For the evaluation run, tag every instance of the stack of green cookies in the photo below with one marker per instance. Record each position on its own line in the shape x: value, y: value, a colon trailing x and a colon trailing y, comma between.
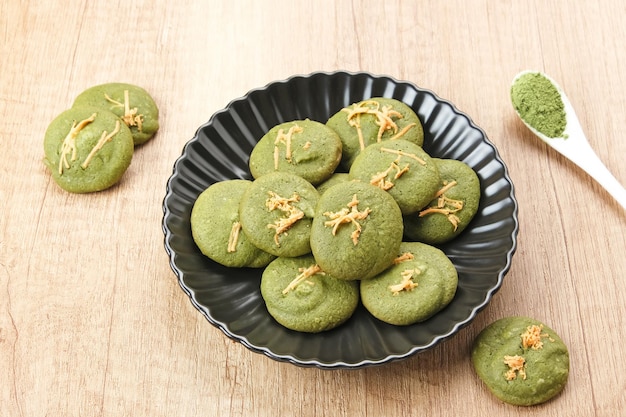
x: 89, y: 146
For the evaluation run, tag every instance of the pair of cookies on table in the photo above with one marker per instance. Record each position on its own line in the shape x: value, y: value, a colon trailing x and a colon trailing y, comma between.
x: 89, y: 146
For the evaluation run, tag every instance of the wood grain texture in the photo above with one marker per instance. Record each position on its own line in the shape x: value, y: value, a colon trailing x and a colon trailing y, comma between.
x: 92, y: 321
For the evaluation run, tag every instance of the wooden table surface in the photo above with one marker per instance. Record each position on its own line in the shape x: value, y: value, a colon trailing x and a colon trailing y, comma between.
x: 92, y: 319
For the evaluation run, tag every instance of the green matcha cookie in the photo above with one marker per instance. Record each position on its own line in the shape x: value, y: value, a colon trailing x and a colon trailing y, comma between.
x: 357, y: 230
x: 455, y: 205
x: 401, y: 168
x: 87, y: 149
x: 216, y: 228
x: 421, y: 282
x: 301, y: 297
x: 521, y: 360
x: 375, y: 120
x: 303, y: 147
x: 131, y: 103
x: 276, y: 213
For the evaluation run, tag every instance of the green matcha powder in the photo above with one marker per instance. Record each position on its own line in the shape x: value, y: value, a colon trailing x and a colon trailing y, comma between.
x: 539, y: 104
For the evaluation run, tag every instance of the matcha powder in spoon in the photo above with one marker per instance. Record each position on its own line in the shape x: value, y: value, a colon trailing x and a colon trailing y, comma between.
x: 539, y: 104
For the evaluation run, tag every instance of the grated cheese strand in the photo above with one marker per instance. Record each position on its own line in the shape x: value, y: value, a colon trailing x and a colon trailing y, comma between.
x: 276, y: 202
x: 103, y: 140
x: 406, y: 256
x: 305, y: 273
x: 531, y: 338
x: 284, y: 138
x: 516, y: 364
x: 130, y: 117
x: 445, y: 205
x: 349, y: 214
x: 69, y: 143
x: 407, y: 283
x: 384, y: 119
x: 233, y: 237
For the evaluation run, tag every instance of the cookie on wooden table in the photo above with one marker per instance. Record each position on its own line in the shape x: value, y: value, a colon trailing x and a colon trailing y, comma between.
x: 87, y: 149
x: 133, y: 104
x: 521, y: 360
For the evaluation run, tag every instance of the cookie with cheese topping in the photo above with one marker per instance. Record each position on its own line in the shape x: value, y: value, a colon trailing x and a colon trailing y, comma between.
x: 276, y: 213
x: 521, y: 360
x: 306, y: 148
x: 302, y: 297
x: 420, y: 283
x: 87, y: 149
x: 357, y: 230
x: 216, y: 229
x: 401, y: 168
x: 133, y: 104
x: 372, y: 121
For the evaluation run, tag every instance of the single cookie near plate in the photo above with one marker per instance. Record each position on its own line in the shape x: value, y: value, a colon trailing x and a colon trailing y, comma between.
x: 302, y: 297
x: 306, y: 148
x: 87, y: 149
x: 216, y: 228
x: 374, y: 120
x: 421, y: 282
x: 276, y: 213
x: 357, y: 230
x: 455, y: 205
x: 521, y: 360
x: 401, y: 168
x: 131, y: 103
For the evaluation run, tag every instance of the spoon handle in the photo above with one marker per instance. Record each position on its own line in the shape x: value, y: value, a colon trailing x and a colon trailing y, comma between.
x: 593, y: 166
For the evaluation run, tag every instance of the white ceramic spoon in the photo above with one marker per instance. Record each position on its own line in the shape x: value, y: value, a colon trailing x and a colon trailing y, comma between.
x: 577, y: 149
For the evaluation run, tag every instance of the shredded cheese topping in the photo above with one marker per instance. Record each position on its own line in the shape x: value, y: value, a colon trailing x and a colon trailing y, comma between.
x: 233, y: 237
x: 69, y: 143
x: 349, y: 214
x: 407, y: 283
x: 130, y: 117
x: 516, y: 364
x: 445, y: 205
x: 384, y: 119
x: 380, y: 178
x: 276, y: 202
x: 305, y: 273
x: 406, y: 256
x: 104, y: 138
x: 285, y: 138
x: 531, y: 338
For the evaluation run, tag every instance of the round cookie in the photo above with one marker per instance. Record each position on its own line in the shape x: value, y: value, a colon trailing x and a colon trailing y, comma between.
x: 521, y: 360
x: 455, y: 205
x: 216, y: 228
x: 276, y: 213
x: 421, y: 282
x: 87, y: 149
x: 306, y: 148
x: 374, y: 120
x: 131, y: 103
x: 303, y: 298
x: 401, y: 168
x: 357, y: 230
x: 336, y: 178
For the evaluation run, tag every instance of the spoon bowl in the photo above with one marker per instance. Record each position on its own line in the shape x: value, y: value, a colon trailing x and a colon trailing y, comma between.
x: 573, y: 144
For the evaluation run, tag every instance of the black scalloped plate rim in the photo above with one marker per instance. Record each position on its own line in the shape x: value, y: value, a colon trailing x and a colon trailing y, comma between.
x: 339, y: 364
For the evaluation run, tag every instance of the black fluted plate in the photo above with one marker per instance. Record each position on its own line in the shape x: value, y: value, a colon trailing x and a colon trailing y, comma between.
x: 230, y: 298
